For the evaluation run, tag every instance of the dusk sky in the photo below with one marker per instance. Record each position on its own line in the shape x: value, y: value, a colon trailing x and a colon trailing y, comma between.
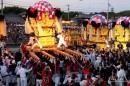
x: 85, y: 6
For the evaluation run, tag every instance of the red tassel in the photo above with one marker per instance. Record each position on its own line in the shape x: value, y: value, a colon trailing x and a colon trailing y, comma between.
x: 124, y: 32
x: 32, y: 10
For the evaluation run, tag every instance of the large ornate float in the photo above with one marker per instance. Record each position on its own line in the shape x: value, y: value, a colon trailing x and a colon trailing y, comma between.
x: 44, y: 22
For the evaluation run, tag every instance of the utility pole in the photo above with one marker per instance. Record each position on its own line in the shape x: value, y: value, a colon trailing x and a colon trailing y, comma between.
x: 2, y: 7
x: 108, y: 11
x: 68, y: 11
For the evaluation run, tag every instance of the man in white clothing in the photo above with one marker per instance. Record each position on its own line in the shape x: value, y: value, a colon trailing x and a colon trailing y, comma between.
x: 61, y: 37
x: 34, y: 42
x: 19, y: 65
x: 121, y: 74
x: 4, y: 74
x: 23, y: 78
x: 56, y: 79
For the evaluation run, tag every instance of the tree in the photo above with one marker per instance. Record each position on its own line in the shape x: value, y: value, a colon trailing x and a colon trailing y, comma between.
x: 14, y: 9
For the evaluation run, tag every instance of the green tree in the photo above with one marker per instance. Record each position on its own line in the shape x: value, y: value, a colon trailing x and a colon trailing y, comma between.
x: 14, y: 9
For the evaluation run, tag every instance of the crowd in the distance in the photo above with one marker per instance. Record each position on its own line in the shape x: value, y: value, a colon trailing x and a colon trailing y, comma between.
x: 96, y: 68
x: 15, y: 30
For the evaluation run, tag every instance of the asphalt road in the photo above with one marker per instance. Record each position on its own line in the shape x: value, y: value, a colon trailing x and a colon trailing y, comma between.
x: 13, y: 48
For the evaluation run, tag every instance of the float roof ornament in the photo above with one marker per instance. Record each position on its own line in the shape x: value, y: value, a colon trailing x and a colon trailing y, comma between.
x: 98, y: 18
x: 124, y: 18
x: 44, y: 6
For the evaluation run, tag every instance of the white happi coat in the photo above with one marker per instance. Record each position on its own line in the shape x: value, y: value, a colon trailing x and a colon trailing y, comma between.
x: 121, y: 77
x: 61, y: 40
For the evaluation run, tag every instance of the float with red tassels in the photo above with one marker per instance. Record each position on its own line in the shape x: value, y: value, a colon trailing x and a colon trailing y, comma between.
x: 122, y: 28
x: 97, y: 21
x: 43, y: 24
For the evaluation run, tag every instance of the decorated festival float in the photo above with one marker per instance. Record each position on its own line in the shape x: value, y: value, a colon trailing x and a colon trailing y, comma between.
x: 97, y: 30
x: 73, y: 33
x: 121, y: 31
x: 43, y: 23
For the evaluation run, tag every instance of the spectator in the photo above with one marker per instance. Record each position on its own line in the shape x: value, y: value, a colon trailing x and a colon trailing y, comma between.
x: 4, y: 74
x: 12, y: 74
x: 121, y: 74
x: 120, y: 46
x: 112, y: 43
x: 22, y: 72
x: 128, y: 45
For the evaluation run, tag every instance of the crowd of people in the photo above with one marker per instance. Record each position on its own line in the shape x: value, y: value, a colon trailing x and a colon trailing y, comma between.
x: 96, y: 68
x: 15, y: 30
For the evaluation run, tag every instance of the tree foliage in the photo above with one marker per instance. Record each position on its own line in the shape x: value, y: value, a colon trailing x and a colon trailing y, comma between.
x: 72, y: 14
x: 14, y: 9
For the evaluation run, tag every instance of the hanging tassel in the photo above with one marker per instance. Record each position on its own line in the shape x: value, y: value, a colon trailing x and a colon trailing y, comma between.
x: 113, y: 32
x: 59, y: 26
x: 82, y: 31
x: 40, y: 29
x: 97, y: 34
x: 109, y: 38
x: 121, y: 31
x: 90, y: 34
x: 28, y: 28
x: 85, y: 34
x: 126, y: 34
x: 95, y: 31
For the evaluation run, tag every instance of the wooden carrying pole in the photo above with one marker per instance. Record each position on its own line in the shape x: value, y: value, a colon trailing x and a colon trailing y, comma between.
x: 65, y: 54
x: 34, y: 56
x: 47, y: 54
x: 39, y: 50
x: 74, y: 52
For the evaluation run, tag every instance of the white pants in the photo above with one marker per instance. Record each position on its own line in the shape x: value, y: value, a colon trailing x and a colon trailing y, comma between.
x: 62, y: 42
x: 65, y: 80
x: 12, y: 79
x: 56, y: 79
x: 31, y: 80
x: 83, y: 83
x: 38, y: 82
x: 23, y: 81
x: 79, y: 77
x: 6, y: 79
x: 18, y: 81
x: 121, y: 83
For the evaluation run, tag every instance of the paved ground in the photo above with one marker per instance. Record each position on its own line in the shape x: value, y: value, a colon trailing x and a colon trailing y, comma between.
x: 13, y: 48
